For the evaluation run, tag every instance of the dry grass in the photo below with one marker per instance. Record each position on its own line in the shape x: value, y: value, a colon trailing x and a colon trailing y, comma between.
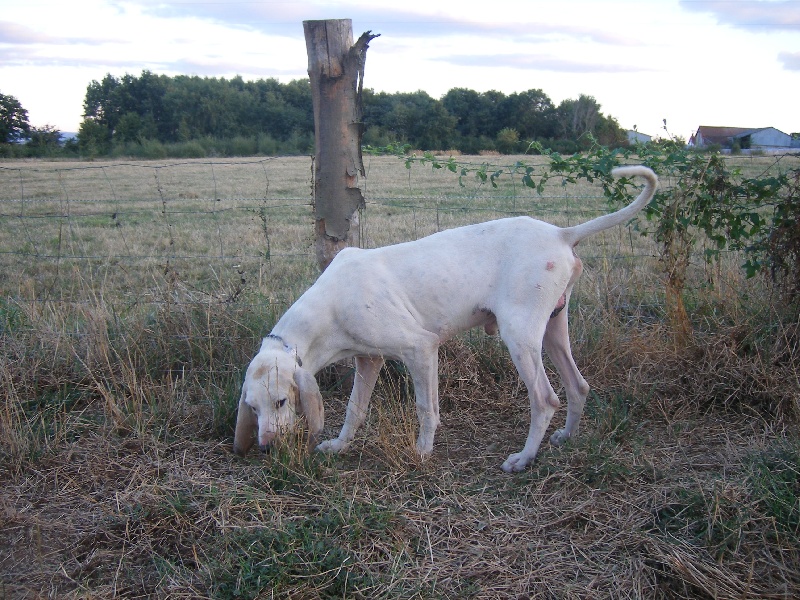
x: 119, y: 389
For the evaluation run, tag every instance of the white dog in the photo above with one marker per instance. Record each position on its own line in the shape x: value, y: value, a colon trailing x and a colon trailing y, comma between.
x: 401, y: 302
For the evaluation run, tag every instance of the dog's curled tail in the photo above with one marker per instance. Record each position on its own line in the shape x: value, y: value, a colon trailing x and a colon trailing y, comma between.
x: 573, y: 235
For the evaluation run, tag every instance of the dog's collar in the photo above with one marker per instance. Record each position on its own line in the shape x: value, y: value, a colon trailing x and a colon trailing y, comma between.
x: 286, y: 347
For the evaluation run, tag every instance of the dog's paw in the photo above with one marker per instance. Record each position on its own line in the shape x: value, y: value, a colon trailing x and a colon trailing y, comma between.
x: 424, y: 447
x: 334, y: 446
x: 516, y: 462
x: 559, y: 437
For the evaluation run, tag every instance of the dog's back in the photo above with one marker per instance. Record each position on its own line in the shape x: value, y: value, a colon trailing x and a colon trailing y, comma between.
x: 447, y: 282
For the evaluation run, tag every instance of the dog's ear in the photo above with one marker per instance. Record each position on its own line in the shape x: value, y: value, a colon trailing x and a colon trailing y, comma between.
x: 246, y: 425
x: 310, y: 403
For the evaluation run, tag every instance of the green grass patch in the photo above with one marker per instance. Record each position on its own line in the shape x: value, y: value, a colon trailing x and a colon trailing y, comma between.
x: 775, y: 487
x: 316, y: 554
x: 758, y: 502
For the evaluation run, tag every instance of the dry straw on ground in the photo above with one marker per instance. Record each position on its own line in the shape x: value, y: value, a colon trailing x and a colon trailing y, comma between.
x: 119, y: 389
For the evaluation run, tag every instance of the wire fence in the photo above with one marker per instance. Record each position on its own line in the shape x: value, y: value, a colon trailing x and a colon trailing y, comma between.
x: 242, y: 230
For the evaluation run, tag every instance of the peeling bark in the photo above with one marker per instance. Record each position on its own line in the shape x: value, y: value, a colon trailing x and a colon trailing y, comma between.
x: 336, y: 71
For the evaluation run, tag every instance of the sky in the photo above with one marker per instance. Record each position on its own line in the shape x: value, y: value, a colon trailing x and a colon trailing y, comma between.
x: 692, y: 62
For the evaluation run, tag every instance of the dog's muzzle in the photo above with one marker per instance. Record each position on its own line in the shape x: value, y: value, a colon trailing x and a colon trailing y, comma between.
x: 266, y: 441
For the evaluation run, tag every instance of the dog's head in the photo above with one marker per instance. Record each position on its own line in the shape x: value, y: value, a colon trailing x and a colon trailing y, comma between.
x: 275, y: 392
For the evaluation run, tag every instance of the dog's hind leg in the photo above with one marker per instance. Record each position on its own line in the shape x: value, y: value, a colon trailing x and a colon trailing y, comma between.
x: 556, y: 344
x: 527, y: 356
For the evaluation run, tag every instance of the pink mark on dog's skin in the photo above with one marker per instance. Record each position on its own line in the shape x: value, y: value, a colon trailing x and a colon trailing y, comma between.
x: 550, y: 265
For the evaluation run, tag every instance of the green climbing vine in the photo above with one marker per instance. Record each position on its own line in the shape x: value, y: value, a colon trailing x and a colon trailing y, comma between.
x: 701, y: 198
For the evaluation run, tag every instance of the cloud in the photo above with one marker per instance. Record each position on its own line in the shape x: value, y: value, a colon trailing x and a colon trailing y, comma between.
x: 522, y: 31
x: 21, y: 35
x: 751, y: 15
x: 537, y: 63
x: 13, y: 33
x: 19, y: 58
x: 790, y: 60
x: 285, y: 18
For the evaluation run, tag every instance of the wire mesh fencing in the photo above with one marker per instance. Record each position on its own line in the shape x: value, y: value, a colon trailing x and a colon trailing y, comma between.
x: 241, y: 230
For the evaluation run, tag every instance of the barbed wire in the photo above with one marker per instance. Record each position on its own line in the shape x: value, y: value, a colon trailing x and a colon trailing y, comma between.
x: 145, y: 164
x: 48, y: 215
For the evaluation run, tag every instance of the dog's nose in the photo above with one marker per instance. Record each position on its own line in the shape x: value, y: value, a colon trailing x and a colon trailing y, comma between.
x: 265, y: 448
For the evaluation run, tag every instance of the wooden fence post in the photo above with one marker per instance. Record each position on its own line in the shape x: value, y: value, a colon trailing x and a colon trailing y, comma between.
x: 336, y: 71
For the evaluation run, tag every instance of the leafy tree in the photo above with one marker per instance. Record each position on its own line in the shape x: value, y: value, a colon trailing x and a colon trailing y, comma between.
x: 133, y: 127
x: 577, y: 117
x: 375, y: 110
x: 531, y: 113
x: 508, y: 140
x: 133, y: 109
x: 477, y: 114
x: 609, y: 133
x: 14, y: 125
x: 94, y: 138
x: 144, y: 96
x: 416, y: 118
x: 465, y: 106
x: 478, y: 117
x: 582, y: 119
x: 100, y: 105
x: 44, y: 139
x: 122, y: 114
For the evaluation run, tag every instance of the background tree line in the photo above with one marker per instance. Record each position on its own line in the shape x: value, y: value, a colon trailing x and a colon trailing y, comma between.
x: 15, y: 128
x: 156, y: 116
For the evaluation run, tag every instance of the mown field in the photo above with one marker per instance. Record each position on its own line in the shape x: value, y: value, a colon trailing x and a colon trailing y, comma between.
x: 134, y: 295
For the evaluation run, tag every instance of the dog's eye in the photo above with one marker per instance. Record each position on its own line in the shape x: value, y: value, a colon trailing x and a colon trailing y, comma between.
x: 280, y: 403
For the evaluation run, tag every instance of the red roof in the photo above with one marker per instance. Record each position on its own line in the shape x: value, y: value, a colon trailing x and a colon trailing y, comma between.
x: 720, y: 135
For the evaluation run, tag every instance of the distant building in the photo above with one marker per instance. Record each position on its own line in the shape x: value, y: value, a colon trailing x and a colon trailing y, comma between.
x: 636, y: 137
x: 766, y: 139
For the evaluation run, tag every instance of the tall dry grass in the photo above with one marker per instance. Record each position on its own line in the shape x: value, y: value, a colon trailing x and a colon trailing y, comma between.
x: 118, y: 404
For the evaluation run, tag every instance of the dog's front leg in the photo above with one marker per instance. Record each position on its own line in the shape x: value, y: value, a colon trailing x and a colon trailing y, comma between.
x: 424, y: 370
x: 366, y: 375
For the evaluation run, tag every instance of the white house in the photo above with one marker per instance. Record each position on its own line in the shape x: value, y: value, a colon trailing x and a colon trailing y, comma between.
x: 636, y: 137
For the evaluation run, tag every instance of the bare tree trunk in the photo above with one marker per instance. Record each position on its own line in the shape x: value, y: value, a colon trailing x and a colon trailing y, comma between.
x: 336, y: 71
